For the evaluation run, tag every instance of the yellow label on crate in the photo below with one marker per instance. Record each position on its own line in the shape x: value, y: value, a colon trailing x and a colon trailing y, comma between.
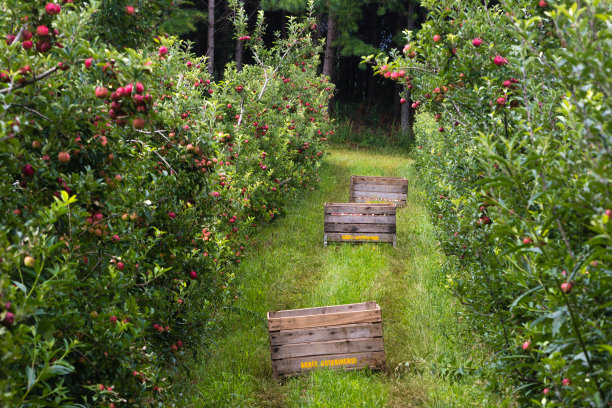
x: 328, y: 363
x: 362, y: 237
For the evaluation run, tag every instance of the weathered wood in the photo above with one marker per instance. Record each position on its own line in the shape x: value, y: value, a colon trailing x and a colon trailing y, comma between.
x: 374, y: 360
x: 369, y: 190
x: 310, y: 311
x: 355, y: 228
x: 349, y: 331
x: 360, y: 219
x: 331, y: 319
x: 342, y: 346
x: 358, y: 208
x: 377, y: 195
x: 360, y: 237
x: 380, y: 188
x: 379, y: 180
x: 340, y: 336
x: 361, y: 200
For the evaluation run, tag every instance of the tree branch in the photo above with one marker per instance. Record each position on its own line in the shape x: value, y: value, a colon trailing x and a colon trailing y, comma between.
x: 31, y: 81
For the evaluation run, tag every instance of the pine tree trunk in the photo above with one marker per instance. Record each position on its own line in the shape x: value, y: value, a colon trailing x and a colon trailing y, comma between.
x: 211, y: 37
x: 329, y: 62
x: 239, y: 52
x: 407, y: 118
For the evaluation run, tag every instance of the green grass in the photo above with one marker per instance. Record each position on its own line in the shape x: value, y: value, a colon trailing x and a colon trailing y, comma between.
x: 288, y: 268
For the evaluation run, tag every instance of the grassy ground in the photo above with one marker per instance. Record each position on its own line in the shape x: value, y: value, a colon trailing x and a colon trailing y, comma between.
x: 427, y: 352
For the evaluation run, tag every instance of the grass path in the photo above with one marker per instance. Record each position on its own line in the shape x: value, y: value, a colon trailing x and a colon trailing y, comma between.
x: 289, y: 268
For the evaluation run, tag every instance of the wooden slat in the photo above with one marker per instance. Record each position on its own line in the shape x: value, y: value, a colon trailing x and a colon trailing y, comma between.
x: 381, y: 188
x: 359, y: 208
x: 379, y: 180
x: 326, y: 348
x: 374, y: 194
x: 397, y: 203
x: 349, y: 331
x: 331, y: 319
x: 360, y: 219
x: 358, y: 228
x: 353, y: 307
x: 289, y: 366
x: 361, y: 237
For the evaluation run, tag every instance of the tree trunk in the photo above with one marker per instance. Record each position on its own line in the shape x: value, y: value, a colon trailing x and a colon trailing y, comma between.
x: 373, y: 86
x: 329, y: 62
x: 283, y: 24
x: 210, y: 52
x: 396, y: 101
x: 239, y: 52
x: 407, y: 118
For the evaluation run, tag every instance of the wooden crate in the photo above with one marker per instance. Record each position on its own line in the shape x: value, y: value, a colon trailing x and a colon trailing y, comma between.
x: 345, y: 336
x: 365, y: 189
x: 359, y: 222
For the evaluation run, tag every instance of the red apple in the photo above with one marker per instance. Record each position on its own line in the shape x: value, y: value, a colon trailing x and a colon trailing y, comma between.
x: 526, y: 345
x: 542, y: 3
x: 88, y: 62
x: 499, y: 60
x: 42, y: 31
x: 476, y: 42
x: 193, y: 274
x: 130, y: 10
x: 138, y: 123
x: 437, y: 38
x: 27, y: 44
x: 63, y: 157
x: 101, y: 92
x: 566, y: 287
x: 120, y: 265
x: 27, y: 170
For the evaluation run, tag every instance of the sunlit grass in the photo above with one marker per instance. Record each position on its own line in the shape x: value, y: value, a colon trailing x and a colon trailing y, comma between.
x: 289, y: 268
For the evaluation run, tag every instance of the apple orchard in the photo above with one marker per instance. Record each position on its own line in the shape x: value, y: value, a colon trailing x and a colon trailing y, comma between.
x: 131, y: 182
x: 516, y: 175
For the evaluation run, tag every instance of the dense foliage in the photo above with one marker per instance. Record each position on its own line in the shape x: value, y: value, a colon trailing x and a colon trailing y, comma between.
x: 518, y: 179
x: 130, y: 183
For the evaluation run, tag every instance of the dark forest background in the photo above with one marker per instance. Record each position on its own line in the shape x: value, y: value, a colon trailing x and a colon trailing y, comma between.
x: 352, y: 28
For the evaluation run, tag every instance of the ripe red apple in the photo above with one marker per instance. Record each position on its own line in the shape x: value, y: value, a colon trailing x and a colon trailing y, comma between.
x: 127, y: 90
x: 101, y: 92
x: 545, y: 391
x: 437, y: 38
x: 542, y: 3
x: 441, y: 129
x: 29, y: 261
x: 526, y: 345
x: 566, y: 381
x: 499, y: 60
x: 193, y: 274
x: 27, y: 44
x: 52, y: 9
x: 163, y: 50
x: 507, y: 83
x: 42, y: 31
x: 43, y: 46
x: 501, y: 101
x: 120, y: 265
x: 63, y: 157
x: 113, y: 319
x: 139, y: 88
x: 88, y: 62
x: 171, y: 215
x: 130, y: 10
x: 27, y: 170
x: 476, y: 42
x: 566, y: 287
x: 27, y: 35
x: 138, y: 123
x: 394, y: 75
x: 609, y: 213
x: 403, y: 101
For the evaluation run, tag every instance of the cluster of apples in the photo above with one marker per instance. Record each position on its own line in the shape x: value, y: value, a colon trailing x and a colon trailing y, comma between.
x: 126, y: 101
